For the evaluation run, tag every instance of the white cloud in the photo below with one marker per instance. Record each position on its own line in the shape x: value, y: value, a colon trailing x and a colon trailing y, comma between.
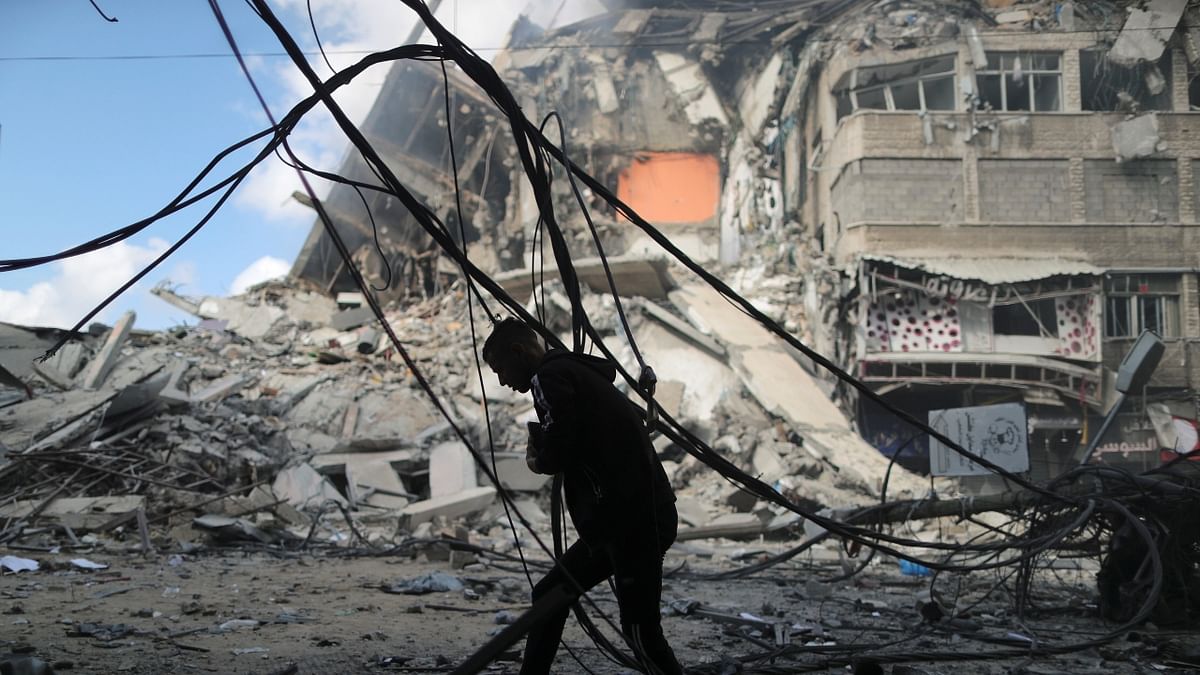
x: 78, y: 285
x: 183, y: 273
x: 266, y: 267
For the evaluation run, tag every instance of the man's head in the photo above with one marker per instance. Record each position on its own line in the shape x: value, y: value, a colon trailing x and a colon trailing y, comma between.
x: 513, y: 352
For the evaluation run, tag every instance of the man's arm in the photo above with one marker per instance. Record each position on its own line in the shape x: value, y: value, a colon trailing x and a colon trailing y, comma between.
x: 555, y: 396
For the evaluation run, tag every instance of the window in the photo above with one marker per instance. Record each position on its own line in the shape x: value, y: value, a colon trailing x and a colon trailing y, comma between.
x: 1021, y: 81
x: 1141, y: 302
x: 1033, y: 317
x: 1108, y: 86
x: 927, y: 84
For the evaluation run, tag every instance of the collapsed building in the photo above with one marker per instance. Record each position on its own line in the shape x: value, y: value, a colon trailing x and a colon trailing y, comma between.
x: 961, y: 203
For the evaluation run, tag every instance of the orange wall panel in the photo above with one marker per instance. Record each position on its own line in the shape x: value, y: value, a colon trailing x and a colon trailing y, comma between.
x: 671, y: 187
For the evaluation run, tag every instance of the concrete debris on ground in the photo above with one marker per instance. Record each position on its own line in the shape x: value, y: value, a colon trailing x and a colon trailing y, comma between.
x: 242, y: 428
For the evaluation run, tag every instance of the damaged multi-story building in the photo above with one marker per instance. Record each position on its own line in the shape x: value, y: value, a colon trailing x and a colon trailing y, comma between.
x: 962, y: 203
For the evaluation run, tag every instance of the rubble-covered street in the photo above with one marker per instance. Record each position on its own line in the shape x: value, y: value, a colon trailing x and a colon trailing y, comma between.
x: 237, y: 611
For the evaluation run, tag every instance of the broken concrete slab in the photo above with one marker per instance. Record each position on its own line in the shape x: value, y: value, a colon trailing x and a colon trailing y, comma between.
x: 450, y: 506
x: 669, y: 397
x: 1146, y: 32
x: 52, y: 375
x: 388, y: 417
x: 768, y: 464
x: 705, y: 378
x: 678, y: 325
x: 103, y: 362
x: 373, y: 482
x: 41, y: 419
x: 307, y: 440
x: 303, y: 487
x: 310, y: 308
x: 77, y: 513
x: 632, y: 21
x: 252, y: 321
x: 68, y: 359
x: 514, y: 474
x: 1017, y: 16
x: 164, y: 293
x: 335, y: 462
x: 691, y: 511
x: 451, y: 469
x: 1137, y: 137
x: 235, y: 529
x: 783, y: 387
x: 351, y: 318
x: 219, y: 389
x: 607, y: 99
x: 727, y: 525
x: 689, y: 83
x: 634, y: 275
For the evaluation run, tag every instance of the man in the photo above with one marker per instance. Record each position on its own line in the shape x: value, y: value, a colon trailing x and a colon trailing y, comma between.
x: 616, y: 491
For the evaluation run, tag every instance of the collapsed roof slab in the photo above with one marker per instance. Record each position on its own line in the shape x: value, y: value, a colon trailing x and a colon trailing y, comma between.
x: 644, y: 277
x: 782, y: 386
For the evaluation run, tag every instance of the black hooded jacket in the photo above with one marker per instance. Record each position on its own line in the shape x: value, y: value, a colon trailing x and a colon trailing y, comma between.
x: 612, y: 479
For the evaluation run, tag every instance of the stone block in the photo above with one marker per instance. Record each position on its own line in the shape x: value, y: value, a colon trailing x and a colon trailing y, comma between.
x: 451, y: 506
x: 451, y: 469
x: 375, y: 479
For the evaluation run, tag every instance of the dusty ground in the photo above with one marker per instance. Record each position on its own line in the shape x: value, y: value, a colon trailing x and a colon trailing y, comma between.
x: 319, y: 613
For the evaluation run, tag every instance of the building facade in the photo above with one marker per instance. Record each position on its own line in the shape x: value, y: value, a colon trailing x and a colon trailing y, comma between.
x: 1011, y: 208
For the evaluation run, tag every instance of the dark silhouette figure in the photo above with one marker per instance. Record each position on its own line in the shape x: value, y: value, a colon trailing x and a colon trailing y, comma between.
x: 614, y: 486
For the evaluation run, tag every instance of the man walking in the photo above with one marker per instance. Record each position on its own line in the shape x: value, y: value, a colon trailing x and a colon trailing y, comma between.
x: 615, y: 489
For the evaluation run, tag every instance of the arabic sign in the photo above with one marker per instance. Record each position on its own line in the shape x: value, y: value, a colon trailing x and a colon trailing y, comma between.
x: 997, y: 433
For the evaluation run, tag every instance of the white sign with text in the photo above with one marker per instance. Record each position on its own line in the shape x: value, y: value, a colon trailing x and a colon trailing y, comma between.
x: 997, y: 433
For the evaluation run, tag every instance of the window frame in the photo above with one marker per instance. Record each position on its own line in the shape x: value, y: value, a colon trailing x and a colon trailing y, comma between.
x: 1028, y: 75
x: 1139, y: 292
x: 853, y: 90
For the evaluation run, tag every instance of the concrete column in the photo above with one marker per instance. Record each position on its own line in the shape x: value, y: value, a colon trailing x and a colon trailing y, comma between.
x: 970, y: 185
x: 1072, y: 87
x: 1187, y: 189
x: 1078, y: 190
x: 1189, y: 306
x: 1179, y: 81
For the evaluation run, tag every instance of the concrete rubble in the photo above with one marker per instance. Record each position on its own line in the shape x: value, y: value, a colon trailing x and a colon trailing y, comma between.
x: 292, y: 388
x: 256, y: 422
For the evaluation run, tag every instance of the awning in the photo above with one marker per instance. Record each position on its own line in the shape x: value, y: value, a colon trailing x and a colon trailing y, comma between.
x: 994, y: 270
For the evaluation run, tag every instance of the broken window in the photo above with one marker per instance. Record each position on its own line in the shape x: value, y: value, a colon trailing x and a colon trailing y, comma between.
x: 1138, y: 302
x: 1032, y: 317
x: 1029, y: 81
x: 1106, y: 85
x: 927, y: 84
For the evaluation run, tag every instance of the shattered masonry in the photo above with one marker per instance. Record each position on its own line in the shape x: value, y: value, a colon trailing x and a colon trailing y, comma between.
x: 904, y: 188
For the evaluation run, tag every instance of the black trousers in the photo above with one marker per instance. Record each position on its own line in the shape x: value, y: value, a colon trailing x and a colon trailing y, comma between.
x: 634, y: 558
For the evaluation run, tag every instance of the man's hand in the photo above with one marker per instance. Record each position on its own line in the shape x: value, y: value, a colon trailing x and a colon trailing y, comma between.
x: 531, y: 446
x: 531, y: 456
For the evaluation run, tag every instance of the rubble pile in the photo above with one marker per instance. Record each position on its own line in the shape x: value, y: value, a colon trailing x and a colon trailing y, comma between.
x: 283, y: 405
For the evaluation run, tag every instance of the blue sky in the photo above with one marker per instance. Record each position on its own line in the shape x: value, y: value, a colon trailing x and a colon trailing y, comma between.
x: 103, y: 123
